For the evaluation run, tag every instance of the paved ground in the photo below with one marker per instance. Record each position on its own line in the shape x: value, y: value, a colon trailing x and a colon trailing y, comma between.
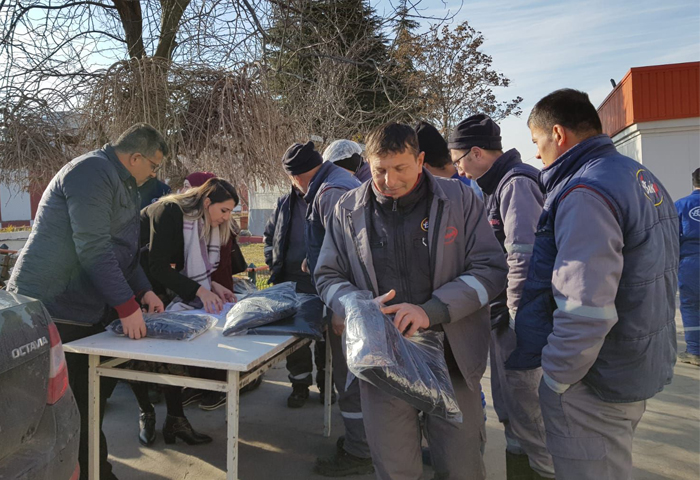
x: 279, y: 443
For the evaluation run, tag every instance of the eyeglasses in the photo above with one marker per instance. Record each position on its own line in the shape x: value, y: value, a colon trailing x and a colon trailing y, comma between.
x: 456, y: 162
x: 155, y: 167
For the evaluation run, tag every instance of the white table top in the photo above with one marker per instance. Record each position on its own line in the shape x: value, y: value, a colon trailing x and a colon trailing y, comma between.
x: 210, y: 350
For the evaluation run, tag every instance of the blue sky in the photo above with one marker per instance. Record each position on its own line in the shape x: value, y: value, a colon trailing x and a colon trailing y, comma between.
x: 545, y: 45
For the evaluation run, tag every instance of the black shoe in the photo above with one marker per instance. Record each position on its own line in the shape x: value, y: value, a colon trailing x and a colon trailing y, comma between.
x: 299, y: 396
x: 190, y: 396
x: 342, y: 464
x: 322, y: 395
x: 213, y: 400
x: 147, y: 428
x: 252, y: 385
x: 179, y: 427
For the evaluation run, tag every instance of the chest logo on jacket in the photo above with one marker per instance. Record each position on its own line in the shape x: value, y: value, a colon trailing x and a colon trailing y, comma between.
x: 424, y: 224
x: 450, y: 235
x: 649, y: 187
x: 694, y: 214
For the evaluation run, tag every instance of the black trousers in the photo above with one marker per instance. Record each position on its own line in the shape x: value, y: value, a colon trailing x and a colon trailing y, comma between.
x: 78, y: 380
x: 300, y: 365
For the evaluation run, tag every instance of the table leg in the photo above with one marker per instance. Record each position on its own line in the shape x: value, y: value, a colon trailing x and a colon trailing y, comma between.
x: 93, y: 418
x: 232, y: 425
x: 329, y: 386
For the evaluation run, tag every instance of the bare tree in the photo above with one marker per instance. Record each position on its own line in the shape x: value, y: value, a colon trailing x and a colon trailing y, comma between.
x: 457, y: 78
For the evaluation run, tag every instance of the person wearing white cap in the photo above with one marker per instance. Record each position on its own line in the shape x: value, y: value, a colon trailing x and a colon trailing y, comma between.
x: 348, y: 155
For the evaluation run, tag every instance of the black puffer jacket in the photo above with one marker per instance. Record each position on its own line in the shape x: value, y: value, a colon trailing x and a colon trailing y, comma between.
x: 82, y: 256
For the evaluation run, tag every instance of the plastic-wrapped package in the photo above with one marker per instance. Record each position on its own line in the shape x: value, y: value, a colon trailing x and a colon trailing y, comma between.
x: 170, y: 325
x: 262, y: 307
x: 413, y: 370
x: 307, y: 322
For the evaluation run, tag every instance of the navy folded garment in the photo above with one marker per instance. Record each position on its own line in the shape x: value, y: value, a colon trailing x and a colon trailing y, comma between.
x: 262, y: 307
x: 413, y: 370
x: 170, y: 325
x: 307, y: 322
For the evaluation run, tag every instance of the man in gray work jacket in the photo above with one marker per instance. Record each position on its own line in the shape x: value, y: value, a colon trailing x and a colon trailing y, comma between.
x: 597, y: 310
x: 440, y: 266
x: 322, y: 184
x: 513, y: 205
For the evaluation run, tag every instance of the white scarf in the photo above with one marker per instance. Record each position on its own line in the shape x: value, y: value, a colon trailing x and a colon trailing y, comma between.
x: 201, y: 259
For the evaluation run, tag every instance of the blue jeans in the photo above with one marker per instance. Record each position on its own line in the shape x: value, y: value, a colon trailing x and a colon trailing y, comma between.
x: 689, y: 289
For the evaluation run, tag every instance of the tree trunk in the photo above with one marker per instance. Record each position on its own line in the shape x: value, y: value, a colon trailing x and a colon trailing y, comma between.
x: 172, y: 13
x: 132, y: 21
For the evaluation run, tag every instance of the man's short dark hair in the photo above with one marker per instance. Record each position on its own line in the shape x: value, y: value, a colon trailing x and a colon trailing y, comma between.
x: 392, y: 138
x: 142, y: 138
x: 696, y: 178
x: 569, y: 108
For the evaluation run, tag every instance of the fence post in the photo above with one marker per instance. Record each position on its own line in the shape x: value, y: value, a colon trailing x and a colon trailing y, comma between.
x: 252, y: 275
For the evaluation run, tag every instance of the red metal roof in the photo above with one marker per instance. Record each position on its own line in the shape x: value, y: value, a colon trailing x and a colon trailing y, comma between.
x: 645, y: 94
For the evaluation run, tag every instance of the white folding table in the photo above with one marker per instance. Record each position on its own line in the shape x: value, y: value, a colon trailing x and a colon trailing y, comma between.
x: 244, y: 358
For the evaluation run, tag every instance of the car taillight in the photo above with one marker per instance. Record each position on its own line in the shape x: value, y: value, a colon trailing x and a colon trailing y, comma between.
x: 76, y: 473
x: 58, y: 373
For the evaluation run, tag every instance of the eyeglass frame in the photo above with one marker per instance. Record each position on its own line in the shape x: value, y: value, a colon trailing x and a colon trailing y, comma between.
x: 456, y: 162
x: 155, y: 167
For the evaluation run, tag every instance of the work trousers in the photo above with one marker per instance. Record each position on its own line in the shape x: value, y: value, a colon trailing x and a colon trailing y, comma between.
x: 300, y: 365
x: 517, y: 404
x: 394, y: 434
x: 78, y: 380
x: 589, y: 439
x: 349, y: 402
x: 689, y: 290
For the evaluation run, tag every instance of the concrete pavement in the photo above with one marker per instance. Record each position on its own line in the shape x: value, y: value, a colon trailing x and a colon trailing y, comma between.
x: 280, y: 443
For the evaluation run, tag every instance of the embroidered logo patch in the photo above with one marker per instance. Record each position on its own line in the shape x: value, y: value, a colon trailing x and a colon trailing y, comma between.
x: 649, y: 187
x: 424, y: 224
x: 694, y: 214
x: 450, y: 235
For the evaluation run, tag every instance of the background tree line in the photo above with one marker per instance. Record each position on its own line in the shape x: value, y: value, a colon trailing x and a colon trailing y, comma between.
x: 230, y: 83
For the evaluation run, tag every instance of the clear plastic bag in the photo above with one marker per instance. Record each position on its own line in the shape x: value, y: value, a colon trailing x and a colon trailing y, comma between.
x: 413, y: 370
x: 170, y: 325
x: 307, y: 322
x: 262, y: 307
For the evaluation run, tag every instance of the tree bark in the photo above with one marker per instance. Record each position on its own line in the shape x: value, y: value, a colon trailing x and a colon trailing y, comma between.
x: 132, y: 21
x: 172, y: 13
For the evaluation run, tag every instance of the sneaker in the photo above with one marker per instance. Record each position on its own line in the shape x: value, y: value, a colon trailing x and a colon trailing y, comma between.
x: 687, y: 357
x: 213, y: 400
x: 342, y: 464
x: 322, y: 395
x: 299, y: 396
x: 190, y: 396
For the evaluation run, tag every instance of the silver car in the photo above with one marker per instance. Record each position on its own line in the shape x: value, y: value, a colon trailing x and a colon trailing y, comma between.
x: 39, y: 419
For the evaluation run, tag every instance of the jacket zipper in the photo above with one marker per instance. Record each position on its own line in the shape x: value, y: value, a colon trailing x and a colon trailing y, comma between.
x: 436, y: 238
x: 368, y: 279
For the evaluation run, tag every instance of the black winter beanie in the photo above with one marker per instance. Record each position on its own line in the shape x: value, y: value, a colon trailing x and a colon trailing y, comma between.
x: 300, y: 158
x: 476, y: 131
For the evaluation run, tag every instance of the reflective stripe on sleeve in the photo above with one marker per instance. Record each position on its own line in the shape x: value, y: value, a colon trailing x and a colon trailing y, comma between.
x: 476, y: 285
x: 519, y: 248
x: 608, y: 312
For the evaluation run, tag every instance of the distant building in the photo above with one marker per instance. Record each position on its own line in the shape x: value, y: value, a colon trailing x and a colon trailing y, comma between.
x: 18, y: 205
x: 653, y: 116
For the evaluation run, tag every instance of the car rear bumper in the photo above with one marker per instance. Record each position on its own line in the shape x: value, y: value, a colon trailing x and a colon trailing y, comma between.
x: 52, y: 452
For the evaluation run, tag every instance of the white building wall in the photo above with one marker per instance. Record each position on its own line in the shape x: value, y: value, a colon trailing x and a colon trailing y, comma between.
x: 261, y: 204
x: 669, y: 148
x: 15, y: 203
